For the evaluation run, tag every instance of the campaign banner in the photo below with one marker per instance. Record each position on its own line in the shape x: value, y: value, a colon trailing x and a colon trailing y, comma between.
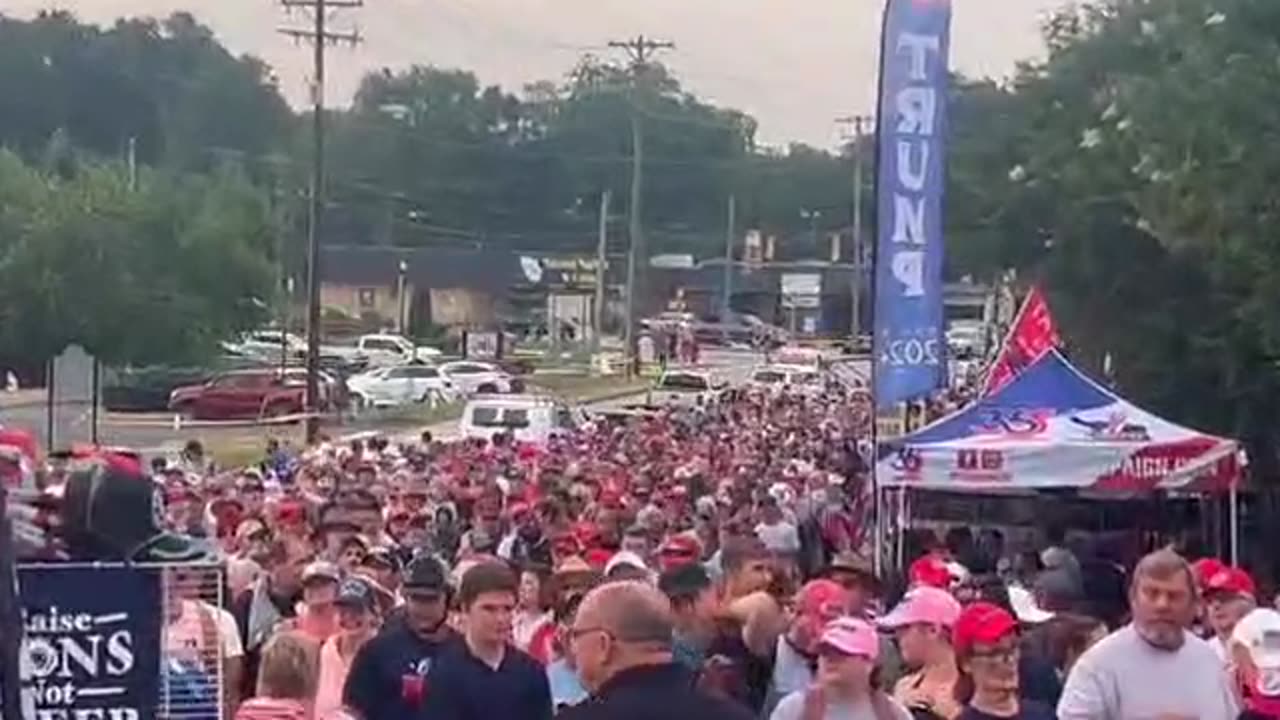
x: 92, y: 641
x: 909, y: 324
x: 1032, y: 335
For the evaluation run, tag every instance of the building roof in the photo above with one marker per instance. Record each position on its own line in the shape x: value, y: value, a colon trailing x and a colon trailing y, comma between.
x: 486, y: 269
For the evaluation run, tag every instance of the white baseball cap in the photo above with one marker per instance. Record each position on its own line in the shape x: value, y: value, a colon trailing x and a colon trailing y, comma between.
x: 1259, y: 633
x: 1025, y: 606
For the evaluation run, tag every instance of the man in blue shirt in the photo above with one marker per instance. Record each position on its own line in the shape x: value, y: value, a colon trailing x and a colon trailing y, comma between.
x: 484, y: 677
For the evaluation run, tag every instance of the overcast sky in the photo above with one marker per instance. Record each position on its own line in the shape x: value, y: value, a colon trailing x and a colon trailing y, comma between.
x: 795, y: 65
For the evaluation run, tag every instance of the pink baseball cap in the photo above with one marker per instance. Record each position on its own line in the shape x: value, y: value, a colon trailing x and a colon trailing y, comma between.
x: 924, y: 605
x: 850, y: 636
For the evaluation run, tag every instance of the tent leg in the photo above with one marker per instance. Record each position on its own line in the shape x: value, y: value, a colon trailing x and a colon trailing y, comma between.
x: 1234, y: 521
x: 878, y: 530
x: 903, y: 522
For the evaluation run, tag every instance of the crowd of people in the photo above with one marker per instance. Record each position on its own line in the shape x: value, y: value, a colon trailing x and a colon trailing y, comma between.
x: 366, y: 547
x: 703, y: 562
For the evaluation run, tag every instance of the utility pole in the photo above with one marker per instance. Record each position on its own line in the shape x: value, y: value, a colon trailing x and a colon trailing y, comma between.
x: 730, y: 230
x: 602, y: 246
x: 639, y: 49
x: 320, y: 39
x: 859, y: 122
x: 133, y: 163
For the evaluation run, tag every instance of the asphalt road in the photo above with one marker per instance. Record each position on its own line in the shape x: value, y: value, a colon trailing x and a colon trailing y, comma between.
x: 154, y: 433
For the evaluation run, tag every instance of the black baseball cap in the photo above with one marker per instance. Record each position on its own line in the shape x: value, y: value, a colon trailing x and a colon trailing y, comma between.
x: 684, y: 582
x: 424, y: 576
x: 355, y: 593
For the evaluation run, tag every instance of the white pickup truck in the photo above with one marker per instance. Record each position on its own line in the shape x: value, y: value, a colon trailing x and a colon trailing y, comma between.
x: 385, y: 350
x: 685, y: 388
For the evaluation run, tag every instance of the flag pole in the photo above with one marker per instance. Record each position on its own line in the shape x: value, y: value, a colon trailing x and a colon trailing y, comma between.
x: 878, y: 524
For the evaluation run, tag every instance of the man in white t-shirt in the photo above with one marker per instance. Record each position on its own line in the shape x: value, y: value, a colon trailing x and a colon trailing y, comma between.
x: 202, y: 635
x: 1153, y: 667
x: 778, y: 535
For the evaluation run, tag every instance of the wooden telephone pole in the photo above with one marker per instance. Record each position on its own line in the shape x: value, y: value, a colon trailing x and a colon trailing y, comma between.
x: 320, y: 38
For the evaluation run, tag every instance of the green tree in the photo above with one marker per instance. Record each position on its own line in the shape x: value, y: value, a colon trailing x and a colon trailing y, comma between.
x: 1130, y: 174
x: 157, y: 274
x: 168, y: 85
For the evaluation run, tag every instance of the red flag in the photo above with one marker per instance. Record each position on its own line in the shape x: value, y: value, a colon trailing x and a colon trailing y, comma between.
x: 1032, y: 335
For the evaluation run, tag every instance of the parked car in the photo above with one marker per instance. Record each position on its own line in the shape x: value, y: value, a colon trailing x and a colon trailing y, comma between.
x: 723, y: 334
x: 284, y: 348
x: 685, y: 388
x: 401, y: 385
x: 382, y: 350
x: 529, y: 419
x: 251, y: 394
x: 147, y: 388
x: 268, y: 345
x: 470, y: 377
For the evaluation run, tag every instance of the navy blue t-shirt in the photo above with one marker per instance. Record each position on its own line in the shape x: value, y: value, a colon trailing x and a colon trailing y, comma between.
x: 391, y: 676
x: 464, y: 687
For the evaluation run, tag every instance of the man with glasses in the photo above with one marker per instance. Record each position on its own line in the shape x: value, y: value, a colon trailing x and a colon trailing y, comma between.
x: 621, y: 641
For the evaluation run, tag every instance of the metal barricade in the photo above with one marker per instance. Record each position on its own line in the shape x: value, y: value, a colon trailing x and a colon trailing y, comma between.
x: 193, y: 661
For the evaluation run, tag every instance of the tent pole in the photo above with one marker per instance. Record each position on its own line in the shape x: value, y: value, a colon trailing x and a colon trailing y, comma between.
x: 1234, y: 520
x: 878, y: 530
x: 903, y: 522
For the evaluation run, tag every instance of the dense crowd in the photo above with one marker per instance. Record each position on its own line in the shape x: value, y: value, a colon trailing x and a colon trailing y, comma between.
x: 702, y: 562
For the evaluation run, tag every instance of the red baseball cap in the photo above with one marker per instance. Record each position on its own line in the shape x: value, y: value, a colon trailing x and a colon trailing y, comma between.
x: 930, y: 570
x: 981, y: 623
x: 822, y: 599
x: 598, y: 558
x: 1205, y: 568
x: 291, y: 513
x: 1231, y: 580
x: 678, y: 551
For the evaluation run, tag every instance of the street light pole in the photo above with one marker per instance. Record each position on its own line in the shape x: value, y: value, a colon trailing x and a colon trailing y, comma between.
x: 602, y: 245
x: 728, y: 258
x: 400, y: 290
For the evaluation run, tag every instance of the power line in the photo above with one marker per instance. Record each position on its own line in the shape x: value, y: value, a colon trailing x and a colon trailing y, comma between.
x: 320, y: 38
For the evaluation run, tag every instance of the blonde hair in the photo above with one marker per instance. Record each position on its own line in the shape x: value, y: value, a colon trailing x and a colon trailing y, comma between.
x: 290, y: 668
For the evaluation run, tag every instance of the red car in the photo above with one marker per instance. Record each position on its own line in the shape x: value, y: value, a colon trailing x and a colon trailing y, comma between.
x: 245, y: 394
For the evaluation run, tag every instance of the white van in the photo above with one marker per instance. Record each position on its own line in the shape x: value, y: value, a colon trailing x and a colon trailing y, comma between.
x: 529, y: 419
x: 799, y: 378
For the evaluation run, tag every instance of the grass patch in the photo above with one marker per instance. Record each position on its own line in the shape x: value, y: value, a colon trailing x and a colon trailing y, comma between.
x: 411, y: 415
x: 587, y: 387
x: 238, y: 451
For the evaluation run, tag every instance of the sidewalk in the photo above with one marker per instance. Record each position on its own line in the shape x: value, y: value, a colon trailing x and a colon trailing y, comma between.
x: 26, y: 397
